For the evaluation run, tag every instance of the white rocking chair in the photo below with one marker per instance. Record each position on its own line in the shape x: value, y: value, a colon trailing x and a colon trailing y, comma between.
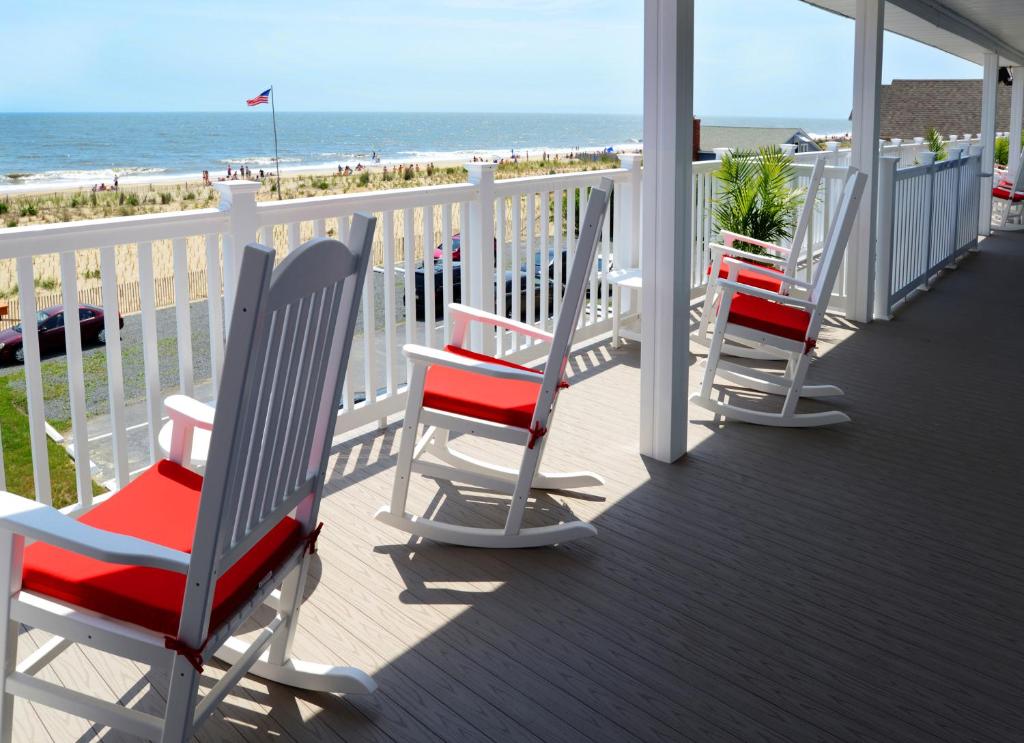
x: 457, y: 390
x: 1008, y: 200
x: 166, y: 570
x: 781, y: 262
x: 757, y: 316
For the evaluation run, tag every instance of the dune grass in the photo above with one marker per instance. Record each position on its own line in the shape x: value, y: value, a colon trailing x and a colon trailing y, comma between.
x: 69, y: 206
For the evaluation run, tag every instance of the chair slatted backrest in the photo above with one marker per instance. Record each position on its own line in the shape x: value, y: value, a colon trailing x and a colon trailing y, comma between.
x: 835, y: 245
x: 804, y: 222
x: 287, y: 352
x: 575, y: 294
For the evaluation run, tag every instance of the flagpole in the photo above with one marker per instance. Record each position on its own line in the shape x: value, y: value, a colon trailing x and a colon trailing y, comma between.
x: 277, y: 158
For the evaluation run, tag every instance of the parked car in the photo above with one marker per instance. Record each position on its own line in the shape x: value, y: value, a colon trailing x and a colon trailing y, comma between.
x: 50, y: 326
x: 420, y: 281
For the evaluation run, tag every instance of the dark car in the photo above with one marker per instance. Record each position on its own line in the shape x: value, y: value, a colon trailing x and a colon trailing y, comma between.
x: 420, y: 281
x: 50, y: 325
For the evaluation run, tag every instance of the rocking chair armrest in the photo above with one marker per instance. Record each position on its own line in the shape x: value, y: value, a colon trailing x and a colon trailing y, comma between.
x: 727, y: 251
x: 731, y: 287
x: 46, y: 524
x: 729, y: 237
x: 784, y: 278
x: 189, y: 411
x: 472, y: 314
x: 436, y: 357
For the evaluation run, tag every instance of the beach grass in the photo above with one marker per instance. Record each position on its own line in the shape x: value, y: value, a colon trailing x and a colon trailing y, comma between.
x: 73, y: 205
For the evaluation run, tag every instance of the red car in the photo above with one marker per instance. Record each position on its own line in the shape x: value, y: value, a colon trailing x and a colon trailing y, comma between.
x: 50, y: 323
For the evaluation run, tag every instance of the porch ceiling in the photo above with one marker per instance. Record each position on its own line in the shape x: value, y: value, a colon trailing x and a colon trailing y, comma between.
x: 965, y: 28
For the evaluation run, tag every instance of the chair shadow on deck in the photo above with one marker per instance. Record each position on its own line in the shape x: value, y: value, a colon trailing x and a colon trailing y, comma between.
x: 775, y: 583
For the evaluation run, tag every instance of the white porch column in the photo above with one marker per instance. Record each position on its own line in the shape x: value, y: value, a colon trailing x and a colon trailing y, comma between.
x: 1016, y: 116
x: 668, y: 134
x: 867, y: 79
x: 990, y: 67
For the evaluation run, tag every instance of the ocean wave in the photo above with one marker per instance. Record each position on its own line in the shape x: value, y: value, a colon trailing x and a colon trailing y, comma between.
x: 257, y: 160
x: 98, y: 175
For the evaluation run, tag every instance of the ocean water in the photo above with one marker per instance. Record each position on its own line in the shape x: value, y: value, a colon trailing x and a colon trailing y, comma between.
x: 72, y: 149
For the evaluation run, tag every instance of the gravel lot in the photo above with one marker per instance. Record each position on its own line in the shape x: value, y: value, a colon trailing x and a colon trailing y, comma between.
x: 133, y: 365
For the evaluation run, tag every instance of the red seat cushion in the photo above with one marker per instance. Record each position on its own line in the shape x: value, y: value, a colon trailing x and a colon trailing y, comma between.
x: 463, y: 392
x: 1004, y: 193
x: 752, y: 278
x: 160, y: 505
x: 771, y: 317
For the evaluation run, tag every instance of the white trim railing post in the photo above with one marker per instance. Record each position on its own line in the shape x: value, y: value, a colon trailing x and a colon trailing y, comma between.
x: 958, y: 154
x: 990, y: 81
x: 482, y: 271
x: 238, y: 200
x: 627, y: 234
x: 883, y: 244
x: 928, y: 160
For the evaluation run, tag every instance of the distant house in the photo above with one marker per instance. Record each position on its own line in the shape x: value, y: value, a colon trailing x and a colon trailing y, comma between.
x: 909, y: 108
x: 752, y: 138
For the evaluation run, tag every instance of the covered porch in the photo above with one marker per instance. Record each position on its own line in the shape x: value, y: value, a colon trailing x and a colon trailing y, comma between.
x: 855, y: 583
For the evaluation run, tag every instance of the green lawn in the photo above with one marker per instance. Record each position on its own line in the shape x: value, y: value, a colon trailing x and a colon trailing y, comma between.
x: 18, y: 452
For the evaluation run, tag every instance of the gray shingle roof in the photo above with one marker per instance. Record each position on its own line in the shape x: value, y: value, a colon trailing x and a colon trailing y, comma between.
x: 749, y: 137
x: 910, y: 107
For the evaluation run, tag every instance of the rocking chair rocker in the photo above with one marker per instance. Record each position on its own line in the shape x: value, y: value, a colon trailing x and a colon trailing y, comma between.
x: 754, y: 315
x: 1008, y: 200
x: 167, y: 569
x: 781, y: 263
x: 458, y: 390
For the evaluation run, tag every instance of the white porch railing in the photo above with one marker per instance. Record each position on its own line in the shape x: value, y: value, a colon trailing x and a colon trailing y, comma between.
x: 515, y: 244
x: 928, y: 217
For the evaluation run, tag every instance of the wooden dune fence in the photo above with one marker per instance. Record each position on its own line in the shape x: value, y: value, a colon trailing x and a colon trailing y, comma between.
x: 129, y: 296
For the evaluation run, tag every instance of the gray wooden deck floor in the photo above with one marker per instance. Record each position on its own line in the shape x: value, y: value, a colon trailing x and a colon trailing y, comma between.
x: 861, y: 583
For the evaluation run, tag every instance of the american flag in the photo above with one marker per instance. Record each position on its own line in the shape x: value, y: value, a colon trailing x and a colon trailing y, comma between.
x: 261, y: 98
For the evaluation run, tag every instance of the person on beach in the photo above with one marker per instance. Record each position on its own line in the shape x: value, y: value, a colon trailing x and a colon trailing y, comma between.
x: 115, y: 182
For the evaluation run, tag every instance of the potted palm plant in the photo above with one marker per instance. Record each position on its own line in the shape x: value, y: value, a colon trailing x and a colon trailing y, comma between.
x: 756, y: 196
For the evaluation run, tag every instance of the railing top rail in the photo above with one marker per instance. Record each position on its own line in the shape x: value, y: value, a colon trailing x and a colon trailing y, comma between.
x: 548, y: 182
x: 325, y: 207
x: 916, y: 171
x: 65, y: 236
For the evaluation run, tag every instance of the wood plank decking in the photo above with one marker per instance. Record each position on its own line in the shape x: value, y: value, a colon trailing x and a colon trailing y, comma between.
x: 860, y: 583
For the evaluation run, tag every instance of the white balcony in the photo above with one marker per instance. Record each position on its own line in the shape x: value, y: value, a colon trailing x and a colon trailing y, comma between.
x: 859, y: 582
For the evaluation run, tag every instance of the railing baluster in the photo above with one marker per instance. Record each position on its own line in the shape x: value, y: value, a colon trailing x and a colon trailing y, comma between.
x: 150, y: 355
x: 319, y: 228
x: 429, y: 310
x: 606, y: 258
x: 560, y: 250
x: 500, y: 288
x: 545, y: 260
x: 115, y: 373
x: 215, y: 308
x: 446, y: 266
x: 514, y: 256
x: 76, y: 376
x: 531, y: 261
x: 33, y: 381
x: 182, y: 315
x: 389, y: 302
x: 410, y: 284
x: 369, y: 334
x: 293, y: 237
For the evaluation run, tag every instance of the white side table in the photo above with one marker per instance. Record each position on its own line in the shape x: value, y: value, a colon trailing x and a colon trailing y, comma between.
x: 624, y: 278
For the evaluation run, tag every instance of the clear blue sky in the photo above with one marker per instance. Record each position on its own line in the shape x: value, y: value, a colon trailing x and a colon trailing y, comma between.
x: 754, y: 57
